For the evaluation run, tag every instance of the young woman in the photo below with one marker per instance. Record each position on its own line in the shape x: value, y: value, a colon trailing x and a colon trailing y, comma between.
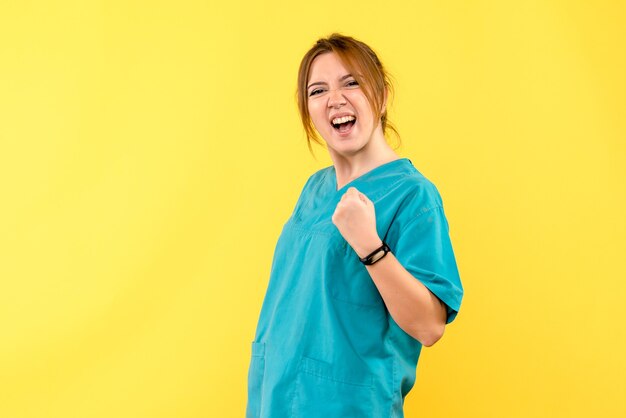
x: 363, y: 274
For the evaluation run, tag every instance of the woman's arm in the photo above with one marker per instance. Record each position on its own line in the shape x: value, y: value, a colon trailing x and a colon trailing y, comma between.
x: 414, y: 308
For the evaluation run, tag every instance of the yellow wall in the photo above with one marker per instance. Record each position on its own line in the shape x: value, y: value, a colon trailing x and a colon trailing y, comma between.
x: 150, y: 152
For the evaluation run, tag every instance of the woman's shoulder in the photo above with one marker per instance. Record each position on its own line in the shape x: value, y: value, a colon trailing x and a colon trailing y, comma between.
x: 322, y: 172
x: 316, y: 177
x: 420, y: 191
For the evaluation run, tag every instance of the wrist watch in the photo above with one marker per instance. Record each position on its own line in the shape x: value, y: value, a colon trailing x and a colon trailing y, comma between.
x: 376, y: 255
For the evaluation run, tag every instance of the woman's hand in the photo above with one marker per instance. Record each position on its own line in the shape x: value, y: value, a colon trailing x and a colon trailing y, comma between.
x: 355, y: 218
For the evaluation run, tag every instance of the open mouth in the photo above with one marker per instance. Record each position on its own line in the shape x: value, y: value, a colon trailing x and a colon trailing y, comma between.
x: 344, y: 124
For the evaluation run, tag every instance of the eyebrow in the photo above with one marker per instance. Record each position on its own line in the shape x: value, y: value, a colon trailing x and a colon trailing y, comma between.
x: 321, y: 82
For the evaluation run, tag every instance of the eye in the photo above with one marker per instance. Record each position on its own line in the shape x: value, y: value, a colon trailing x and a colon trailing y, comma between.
x: 353, y: 83
x: 314, y: 92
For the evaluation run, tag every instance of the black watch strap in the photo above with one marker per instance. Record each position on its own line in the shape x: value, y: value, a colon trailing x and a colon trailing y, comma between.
x: 376, y: 255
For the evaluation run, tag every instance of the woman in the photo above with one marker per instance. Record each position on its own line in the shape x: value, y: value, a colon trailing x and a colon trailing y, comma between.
x: 363, y: 273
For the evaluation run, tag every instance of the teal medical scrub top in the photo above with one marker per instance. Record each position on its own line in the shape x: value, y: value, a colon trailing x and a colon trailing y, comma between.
x: 325, y: 344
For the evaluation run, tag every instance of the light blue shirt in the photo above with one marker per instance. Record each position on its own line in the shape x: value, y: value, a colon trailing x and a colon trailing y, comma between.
x: 325, y: 344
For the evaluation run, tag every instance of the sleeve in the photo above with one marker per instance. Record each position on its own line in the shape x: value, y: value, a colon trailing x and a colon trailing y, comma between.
x: 424, y: 249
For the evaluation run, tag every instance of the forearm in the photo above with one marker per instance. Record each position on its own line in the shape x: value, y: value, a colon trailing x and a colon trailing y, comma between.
x: 414, y: 308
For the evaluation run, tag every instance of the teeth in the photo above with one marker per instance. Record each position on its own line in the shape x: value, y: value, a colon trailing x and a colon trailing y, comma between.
x: 344, y: 119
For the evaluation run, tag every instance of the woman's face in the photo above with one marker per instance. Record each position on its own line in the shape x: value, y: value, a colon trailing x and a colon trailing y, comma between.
x: 332, y: 93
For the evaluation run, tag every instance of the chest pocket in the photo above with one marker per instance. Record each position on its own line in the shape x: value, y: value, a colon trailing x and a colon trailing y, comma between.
x: 347, y: 279
x: 343, y: 276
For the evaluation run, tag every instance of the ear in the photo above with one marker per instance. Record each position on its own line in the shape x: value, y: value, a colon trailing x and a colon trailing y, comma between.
x: 384, y: 109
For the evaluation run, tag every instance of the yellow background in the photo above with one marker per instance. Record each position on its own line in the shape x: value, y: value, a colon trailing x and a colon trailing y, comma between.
x: 150, y: 152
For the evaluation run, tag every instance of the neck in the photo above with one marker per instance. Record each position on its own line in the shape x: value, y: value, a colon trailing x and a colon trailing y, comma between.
x: 375, y: 153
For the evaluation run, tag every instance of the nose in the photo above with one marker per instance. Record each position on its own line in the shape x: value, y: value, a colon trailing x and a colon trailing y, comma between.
x: 336, y: 98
